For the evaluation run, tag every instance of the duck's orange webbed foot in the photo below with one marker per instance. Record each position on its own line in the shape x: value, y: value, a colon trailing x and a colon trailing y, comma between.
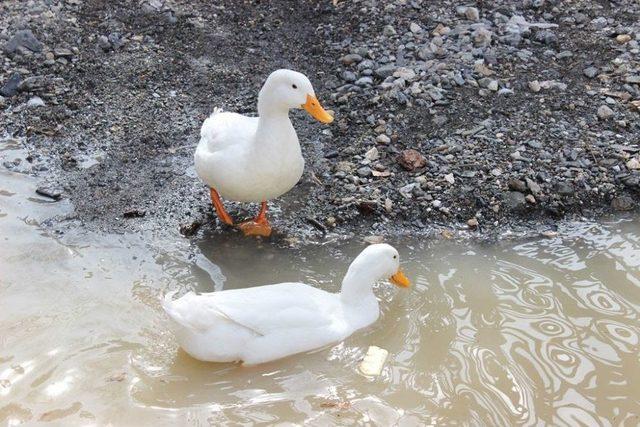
x: 259, y: 226
x: 219, y: 208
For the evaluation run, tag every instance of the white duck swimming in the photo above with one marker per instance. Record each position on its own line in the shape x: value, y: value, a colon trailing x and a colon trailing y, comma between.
x: 255, y: 159
x: 265, y: 323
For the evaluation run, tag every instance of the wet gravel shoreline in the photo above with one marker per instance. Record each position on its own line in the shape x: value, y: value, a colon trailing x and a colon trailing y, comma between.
x: 453, y: 117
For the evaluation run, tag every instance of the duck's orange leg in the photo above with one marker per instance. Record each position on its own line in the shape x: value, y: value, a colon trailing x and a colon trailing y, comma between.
x: 259, y: 226
x: 219, y: 207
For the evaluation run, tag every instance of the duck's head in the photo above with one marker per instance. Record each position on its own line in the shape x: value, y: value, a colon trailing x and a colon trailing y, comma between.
x: 286, y: 89
x: 382, y: 262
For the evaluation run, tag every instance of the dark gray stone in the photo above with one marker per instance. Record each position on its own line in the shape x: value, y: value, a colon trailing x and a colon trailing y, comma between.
x: 103, y: 42
x: 590, y: 72
x: 31, y: 84
x: 533, y: 186
x: 364, y: 171
x: 62, y: 52
x: 364, y: 81
x: 385, y: 71
x: 49, y: 190
x: 512, y: 39
x: 604, y: 112
x: 546, y: 37
x: 564, y: 189
x: 534, y: 144
x: 622, y: 203
x: 517, y: 185
x: 10, y: 87
x: 348, y: 76
x: 514, y: 200
x: 351, y: 59
x: 24, y: 39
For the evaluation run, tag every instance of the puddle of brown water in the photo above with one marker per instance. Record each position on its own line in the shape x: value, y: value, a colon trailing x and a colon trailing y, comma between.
x: 545, y: 331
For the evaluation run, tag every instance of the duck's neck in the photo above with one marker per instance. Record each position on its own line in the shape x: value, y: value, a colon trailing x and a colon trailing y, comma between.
x: 271, y: 113
x: 357, y: 286
x: 275, y: 135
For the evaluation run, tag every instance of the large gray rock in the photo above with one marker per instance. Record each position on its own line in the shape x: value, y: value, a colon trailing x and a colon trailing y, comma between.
x: 564, y: 189
x: 514, y: 200
x: 10, y: 87
x: 24, y: 39
x: 604, y: 112
x: 385, y: 71
x: 622, y: 203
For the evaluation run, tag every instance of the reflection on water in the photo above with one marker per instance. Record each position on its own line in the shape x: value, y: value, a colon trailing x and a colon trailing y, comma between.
x: 540, y: 332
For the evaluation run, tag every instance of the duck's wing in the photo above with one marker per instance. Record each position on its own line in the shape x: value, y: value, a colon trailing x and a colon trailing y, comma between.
x: 192, y: 311
x: 222, y: 129
x: 270, y: 308
x: 262, y: 309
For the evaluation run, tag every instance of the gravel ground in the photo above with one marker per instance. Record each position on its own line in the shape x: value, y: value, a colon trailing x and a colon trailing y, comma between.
x: 451, y: 117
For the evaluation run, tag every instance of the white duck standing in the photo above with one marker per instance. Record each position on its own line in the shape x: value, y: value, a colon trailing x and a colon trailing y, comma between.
x: 265, y: 323
x: 255, y: 159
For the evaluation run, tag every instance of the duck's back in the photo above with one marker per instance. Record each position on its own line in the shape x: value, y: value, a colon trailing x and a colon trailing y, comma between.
x: 261, y: 309
x: 224, y: 138
x: 256, y: 324
x: 222, y: 130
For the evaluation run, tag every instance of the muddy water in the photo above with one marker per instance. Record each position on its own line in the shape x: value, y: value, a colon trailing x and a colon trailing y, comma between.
x: 538, y: 332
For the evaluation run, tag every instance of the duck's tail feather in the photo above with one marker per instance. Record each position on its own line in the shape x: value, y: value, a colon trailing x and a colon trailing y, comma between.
x: 169, y: 307
x: 168, y: 299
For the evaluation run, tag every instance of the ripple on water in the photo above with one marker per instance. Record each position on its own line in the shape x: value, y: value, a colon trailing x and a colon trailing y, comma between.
x: 542, y: 332
x: 599, y: 298
x: 622, y: 336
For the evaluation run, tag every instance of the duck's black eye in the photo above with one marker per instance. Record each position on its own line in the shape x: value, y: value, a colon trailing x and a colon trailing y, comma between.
x: 294, y: 86
x: 395, y: 257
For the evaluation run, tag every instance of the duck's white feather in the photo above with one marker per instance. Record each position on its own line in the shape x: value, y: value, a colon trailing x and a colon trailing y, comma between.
x: 264, y: 323
x: 257, y: 324
x: 255, y: 159
x: 261, y: 309
x: 246, y: 163
x: 221, y: 130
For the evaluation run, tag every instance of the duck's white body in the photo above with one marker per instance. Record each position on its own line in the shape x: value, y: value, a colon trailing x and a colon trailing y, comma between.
x: 264, y: 323
x: 255, y: 159
x: 249, y: 159
x: 261, y: 324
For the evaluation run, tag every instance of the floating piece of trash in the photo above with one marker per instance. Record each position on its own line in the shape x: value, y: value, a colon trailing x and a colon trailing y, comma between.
x: 373, y: 361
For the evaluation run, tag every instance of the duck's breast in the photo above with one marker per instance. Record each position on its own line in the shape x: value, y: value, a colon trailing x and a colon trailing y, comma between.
x: 265, y: 168
x: 253, y: 163
x: 278, y: 164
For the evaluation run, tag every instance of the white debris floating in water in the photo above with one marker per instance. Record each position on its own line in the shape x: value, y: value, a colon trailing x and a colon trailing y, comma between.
x: 373, y: 361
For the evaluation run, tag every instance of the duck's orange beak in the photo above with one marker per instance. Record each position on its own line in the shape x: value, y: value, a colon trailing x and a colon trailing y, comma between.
x: 314, y: 108
x: 400, y: 280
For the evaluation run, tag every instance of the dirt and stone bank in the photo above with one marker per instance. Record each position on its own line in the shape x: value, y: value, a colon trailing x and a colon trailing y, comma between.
x: 449, y: 115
